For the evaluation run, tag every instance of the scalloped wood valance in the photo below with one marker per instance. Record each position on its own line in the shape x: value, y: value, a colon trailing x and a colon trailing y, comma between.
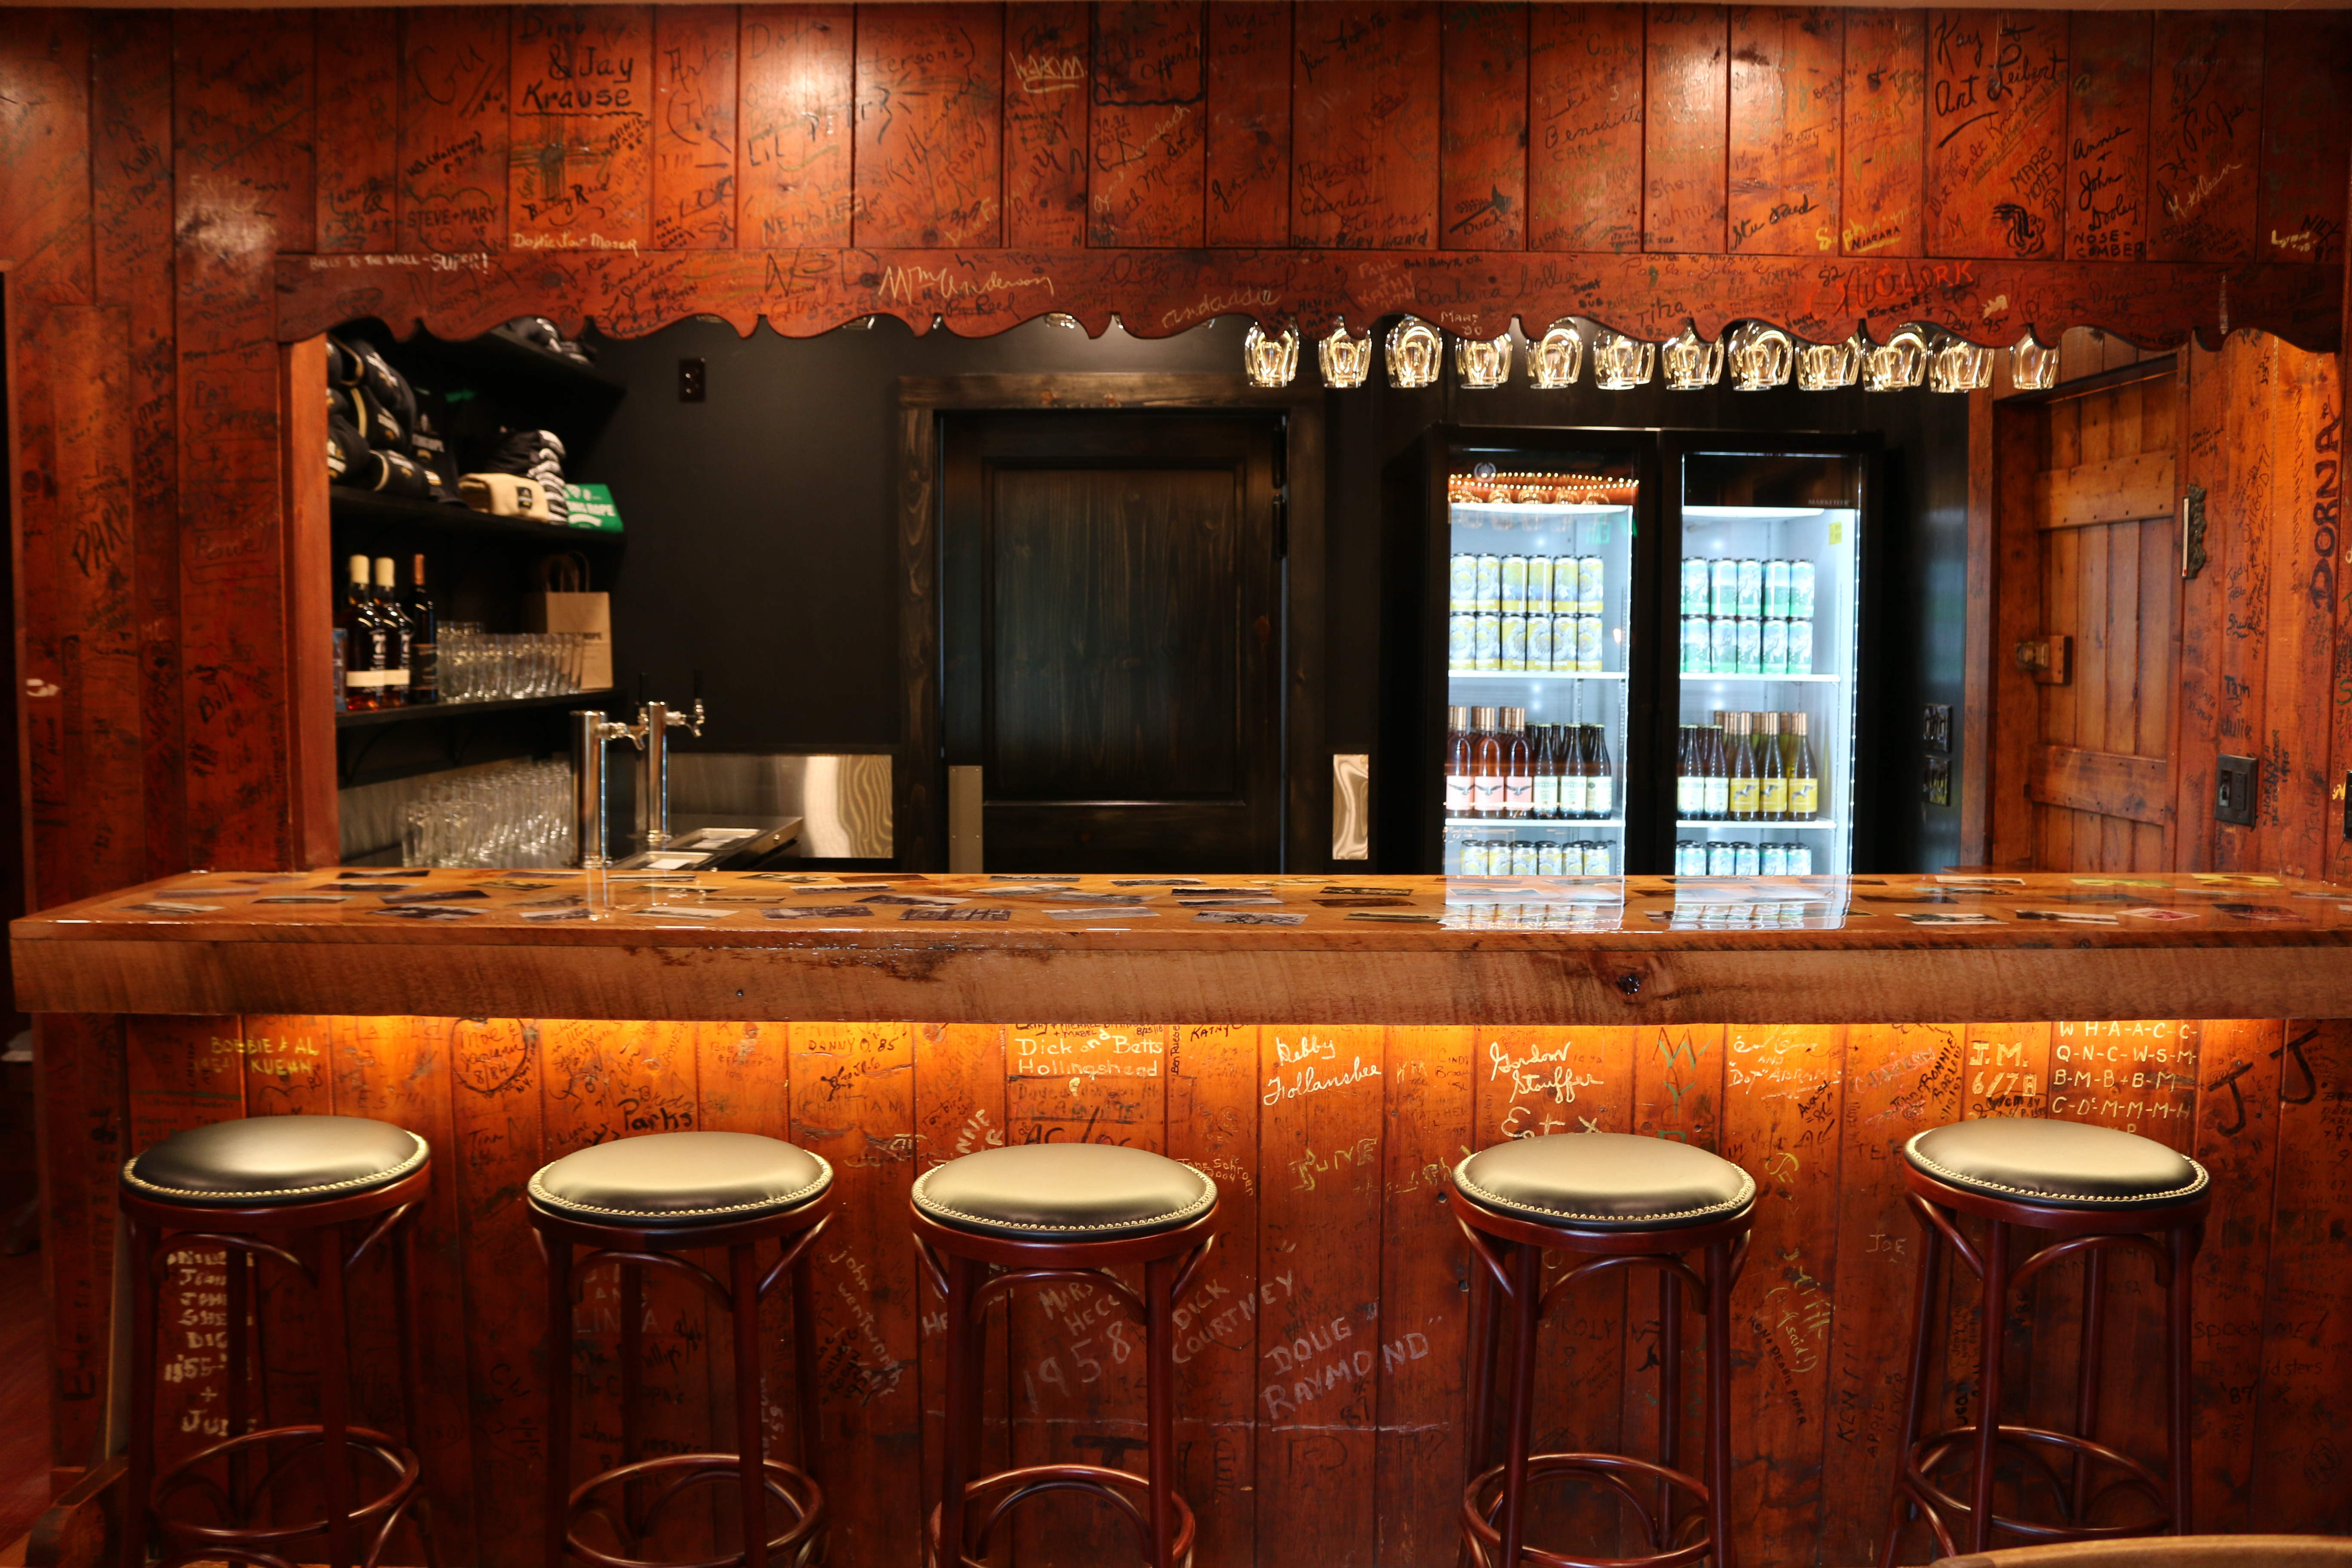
x: 2152, y: 174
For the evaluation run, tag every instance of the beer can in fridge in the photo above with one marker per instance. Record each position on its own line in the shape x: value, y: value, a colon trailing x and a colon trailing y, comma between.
x: 1490, y: 640
x: 1800, y: 860
x: 1718, y: 858
x: 1540, y: 585
x: 1723, y: 645
x: 1523, y: 858
x: 1596, y: 859
x: 1515, y: 641
x: 1539, y: 651
x: 1462, y: 589
x: 1774, y: 859
x: 1751, y: 587
x: 1588, y: 643
x: 1474, y: 857
x: 1801, y: 647
x: 1751, y: 645
x: 1563, y: 643
x: 1776, y: 647
x: 1590, y: 598
x: 1723, y: 596
x: 1745, y: 860
x: 1694, y: 584
x: 1801, y: 590
x: 1695, y: 649
x: 1514, y: 581
x: 1490, y: 585
x: 1776, y: 588
x: 1461, y: 641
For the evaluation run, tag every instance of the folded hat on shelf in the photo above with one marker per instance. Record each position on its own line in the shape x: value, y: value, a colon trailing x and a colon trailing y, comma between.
x: 506, y: 495
x: 388, y: 473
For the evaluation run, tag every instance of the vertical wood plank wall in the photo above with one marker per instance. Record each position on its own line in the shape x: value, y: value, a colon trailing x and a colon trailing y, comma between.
x: 1320, y: 1381
x: 152, y: 164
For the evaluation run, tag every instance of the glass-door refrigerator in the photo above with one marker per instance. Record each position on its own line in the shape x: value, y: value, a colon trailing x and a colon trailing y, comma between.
x: 1520, y: 606
x: 1767, y: 631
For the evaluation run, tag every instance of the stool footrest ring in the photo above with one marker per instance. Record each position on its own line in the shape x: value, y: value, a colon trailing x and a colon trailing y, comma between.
x: 1945, y: 1513
x: 800, y: 1542
x: 1026, y: 1481
x: 1483, y: 1499
x: 377, y: 1515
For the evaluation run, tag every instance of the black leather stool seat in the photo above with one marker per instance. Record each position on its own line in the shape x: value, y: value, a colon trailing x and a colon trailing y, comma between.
x: 680, y: 1179
x: 1605, y: 1181
x: 264, y: 1160
x: 1065, y: 1192
x: 2066, y: 1164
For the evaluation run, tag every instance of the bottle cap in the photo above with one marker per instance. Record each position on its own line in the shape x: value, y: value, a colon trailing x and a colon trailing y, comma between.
x: 1457, y: 717
x: 1481, y: 719
x: 1772, y: 722
x: 1796, y: 720
x: 1514, y: 717
x: 359, y: 568
x: 384, y: 571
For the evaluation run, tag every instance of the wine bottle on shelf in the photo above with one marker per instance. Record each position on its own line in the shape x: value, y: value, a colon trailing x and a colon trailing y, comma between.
x: 1601, y: 783
x: 1487, y: 781
x: 1714, y: 774
x: 1458, y: 761
x: 1519, y: 778
x: 355, y: 636
x: 395, y: 631
x: 1804, y: 778
x: 423, y: 640
x: 1774, y: 773
x: 1572, y: 779
x: 1747, y: 793
x: 1546, y: 767
x: 1689, y: 792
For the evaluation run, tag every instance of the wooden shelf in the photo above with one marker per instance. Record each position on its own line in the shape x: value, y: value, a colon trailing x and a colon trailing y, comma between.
x: 425, y: 710
x: 363, y: 509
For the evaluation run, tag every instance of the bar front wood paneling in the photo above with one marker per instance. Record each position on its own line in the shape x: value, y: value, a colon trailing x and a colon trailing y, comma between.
x: 1321, y: 1378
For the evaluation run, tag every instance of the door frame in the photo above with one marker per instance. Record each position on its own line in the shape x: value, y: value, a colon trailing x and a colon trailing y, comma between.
x: 919, y: 781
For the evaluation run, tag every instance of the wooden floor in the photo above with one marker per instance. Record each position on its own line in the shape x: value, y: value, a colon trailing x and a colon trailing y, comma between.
x: 24, y: 1396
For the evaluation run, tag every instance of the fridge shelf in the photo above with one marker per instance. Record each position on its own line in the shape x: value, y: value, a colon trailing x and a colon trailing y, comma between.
x: 1808, y: 680
x: 1539, y: 508
x: 1538, y: 675
x: 1546, y: 822
x: 1819, y: 824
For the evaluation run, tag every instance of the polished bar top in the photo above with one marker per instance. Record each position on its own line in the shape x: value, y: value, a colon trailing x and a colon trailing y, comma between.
x: 1340, y: 948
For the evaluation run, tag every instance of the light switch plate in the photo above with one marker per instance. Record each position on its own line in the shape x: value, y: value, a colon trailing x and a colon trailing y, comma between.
x: 2233, y: 791
x: 693, y: 381
x: 1935, y: 786
x: 1935, y: 726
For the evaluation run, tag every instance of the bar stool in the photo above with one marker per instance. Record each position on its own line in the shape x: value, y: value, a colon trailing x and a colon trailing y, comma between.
x: 987, y: 1222
x: 1611, y: 1201
x: 284, y: 1187
x: 642, y: 1203
x: 2095, y: 1189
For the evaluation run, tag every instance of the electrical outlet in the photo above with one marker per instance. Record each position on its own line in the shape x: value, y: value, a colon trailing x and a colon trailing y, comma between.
x: 1935, y: 786
x: 1935, y: 726
x: 693, y: 382
x: 2233, y: 791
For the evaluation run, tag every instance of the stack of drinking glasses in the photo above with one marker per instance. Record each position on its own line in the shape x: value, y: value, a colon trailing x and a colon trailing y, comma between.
x: 493, y: 666
x: 512, y: 815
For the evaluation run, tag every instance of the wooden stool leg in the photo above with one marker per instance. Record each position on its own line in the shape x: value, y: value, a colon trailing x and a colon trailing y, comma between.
x: 412, y: 1371
x: 557, y: 1355
x: 2179, y: 1315
x: 1526, y: 1298
x: 237, y: 1341
x: 804, y: 1384
x: 1160, y: 1340
x: 1930, y: 1288
x: 957, y: 1457
x: 2086, y: 1376
x: 1718, y: 1405
x: 1995, y: 1300
x: 632, y: 1389
x: 1670, y: 1399
x: 335, y: 1394
x: 749, y: 1449
x: 139, y: 1472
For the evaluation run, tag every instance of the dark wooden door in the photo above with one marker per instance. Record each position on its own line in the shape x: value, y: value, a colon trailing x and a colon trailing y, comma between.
x: 1111, y: 591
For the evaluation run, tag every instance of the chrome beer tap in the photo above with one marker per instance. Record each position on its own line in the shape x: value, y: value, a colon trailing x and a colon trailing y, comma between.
x: 590, y: 732
x: 651, y: 732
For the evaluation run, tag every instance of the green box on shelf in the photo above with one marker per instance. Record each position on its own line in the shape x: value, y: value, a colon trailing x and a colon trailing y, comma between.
x: 592, y: 507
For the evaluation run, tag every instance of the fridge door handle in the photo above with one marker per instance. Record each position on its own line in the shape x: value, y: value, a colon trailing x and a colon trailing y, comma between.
x: 1351, y: 791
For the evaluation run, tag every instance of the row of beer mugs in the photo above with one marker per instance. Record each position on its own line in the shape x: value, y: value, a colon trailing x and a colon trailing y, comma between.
x: 1528, y: 585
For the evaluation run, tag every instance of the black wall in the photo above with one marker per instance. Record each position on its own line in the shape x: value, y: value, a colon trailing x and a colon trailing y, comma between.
x: 761, y: 543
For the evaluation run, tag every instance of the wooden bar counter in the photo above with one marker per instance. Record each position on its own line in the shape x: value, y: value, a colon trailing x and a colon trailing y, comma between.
x: 1326, y: 1048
